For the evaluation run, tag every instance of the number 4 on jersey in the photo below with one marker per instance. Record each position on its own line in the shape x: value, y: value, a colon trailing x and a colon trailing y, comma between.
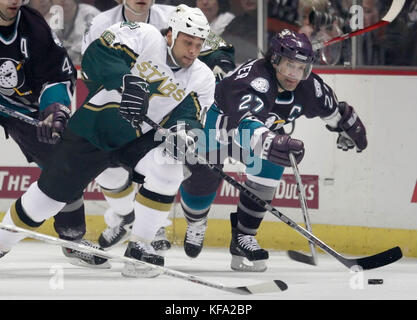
x: 66, y: 66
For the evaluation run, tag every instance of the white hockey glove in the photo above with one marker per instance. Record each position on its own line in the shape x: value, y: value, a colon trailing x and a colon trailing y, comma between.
x: 180, y: 143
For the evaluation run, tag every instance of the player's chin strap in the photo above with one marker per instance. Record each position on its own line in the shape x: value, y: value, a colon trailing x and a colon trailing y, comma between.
x: 136, y: 13
x: 171, y: 55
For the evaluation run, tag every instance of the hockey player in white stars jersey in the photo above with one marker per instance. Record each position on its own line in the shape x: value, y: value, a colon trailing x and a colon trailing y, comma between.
x: 159, y: 78
x: 115, y: 182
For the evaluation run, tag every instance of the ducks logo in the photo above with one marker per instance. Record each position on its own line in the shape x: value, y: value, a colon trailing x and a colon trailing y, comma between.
x: 12, y: 77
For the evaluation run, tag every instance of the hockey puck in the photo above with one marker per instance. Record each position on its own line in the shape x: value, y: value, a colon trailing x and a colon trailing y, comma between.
x: 375, y: 281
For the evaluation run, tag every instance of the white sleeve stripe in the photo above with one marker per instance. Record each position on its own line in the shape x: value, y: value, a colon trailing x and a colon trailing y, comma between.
x: 333, y: 119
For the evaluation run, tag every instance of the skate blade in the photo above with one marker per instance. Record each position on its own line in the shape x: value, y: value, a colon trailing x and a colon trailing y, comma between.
x: 81, y: 263
x: 242, y: 264
x: 132, y: 270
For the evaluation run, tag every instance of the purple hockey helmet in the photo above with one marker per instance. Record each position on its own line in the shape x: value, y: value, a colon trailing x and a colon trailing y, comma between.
x: 294, y: 46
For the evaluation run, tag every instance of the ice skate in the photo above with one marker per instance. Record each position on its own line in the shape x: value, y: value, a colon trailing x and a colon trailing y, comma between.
x: 160, y: 242
x: 244, y: 248
x: 117, y: 233
x: 144, y: 252
x: 83, y: 259
x: 194, y: 237
x: 3, y: 253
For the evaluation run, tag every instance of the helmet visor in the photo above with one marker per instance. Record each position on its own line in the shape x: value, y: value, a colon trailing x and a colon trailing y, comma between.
x: 294, y: 69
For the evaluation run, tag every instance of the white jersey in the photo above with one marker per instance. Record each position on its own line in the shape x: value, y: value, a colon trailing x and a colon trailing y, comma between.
x: 158, y: 16
x: 168, y: 88
x: 220, y: 22
x: 72, y: 39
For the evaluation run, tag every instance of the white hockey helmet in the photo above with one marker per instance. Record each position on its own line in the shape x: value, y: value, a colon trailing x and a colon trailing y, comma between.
x: 191, y: 21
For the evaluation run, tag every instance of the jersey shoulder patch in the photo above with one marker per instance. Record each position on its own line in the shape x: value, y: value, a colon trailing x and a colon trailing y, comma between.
x: 108, y: 37
x: 260, y: 84
x: 131, y: 25
x: 318, y: 88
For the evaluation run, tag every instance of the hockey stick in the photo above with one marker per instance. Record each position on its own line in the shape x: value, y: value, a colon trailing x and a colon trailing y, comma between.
x: 25, y: 118
x: 265, y: 287
x: 297, y: 256
x: 366, y: 263
x: 392, y: 13
x: 20, y: 116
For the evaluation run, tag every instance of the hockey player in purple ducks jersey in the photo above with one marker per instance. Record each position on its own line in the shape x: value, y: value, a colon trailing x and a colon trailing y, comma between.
x: 251, y: 106
x: 37, y: 79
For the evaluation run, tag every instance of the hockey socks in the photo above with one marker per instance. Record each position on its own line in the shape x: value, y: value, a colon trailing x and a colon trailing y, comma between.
x: 151, y: 213
x: 121, y: 199
x: 16, y: 216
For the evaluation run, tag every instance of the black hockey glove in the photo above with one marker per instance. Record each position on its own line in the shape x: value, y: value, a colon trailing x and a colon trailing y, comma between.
x: 222, y: 64
x: 222, y: 67
x: 180, y: 143
x: 54, y: 119
x: 352, y: 132
x: 135, y: 100
x: 220, y: 60
x: 277, y: 147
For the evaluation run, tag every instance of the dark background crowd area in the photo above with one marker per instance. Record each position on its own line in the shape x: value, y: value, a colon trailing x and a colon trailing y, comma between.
x: 391, y: 45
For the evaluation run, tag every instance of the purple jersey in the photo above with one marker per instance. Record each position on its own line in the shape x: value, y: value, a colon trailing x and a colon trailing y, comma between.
x: 252, y: 91
x: 35, y: 70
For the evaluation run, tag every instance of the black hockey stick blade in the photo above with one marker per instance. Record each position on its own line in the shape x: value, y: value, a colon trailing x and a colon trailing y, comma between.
x: 265, y: 287
x: 378, y: 260
x: 367, y: 263
x: 301, y: 257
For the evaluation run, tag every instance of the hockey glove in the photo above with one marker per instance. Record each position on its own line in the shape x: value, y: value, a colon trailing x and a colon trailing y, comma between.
x: 222, y: 67
x: 54, y: 119
x: 221, y: 60
x: 352, y: 132
x: 180, y: 143
x: 277, y: 147
x: 135, y: 100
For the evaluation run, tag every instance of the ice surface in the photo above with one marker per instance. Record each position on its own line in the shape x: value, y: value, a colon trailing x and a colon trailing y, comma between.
x: 34, y: 270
